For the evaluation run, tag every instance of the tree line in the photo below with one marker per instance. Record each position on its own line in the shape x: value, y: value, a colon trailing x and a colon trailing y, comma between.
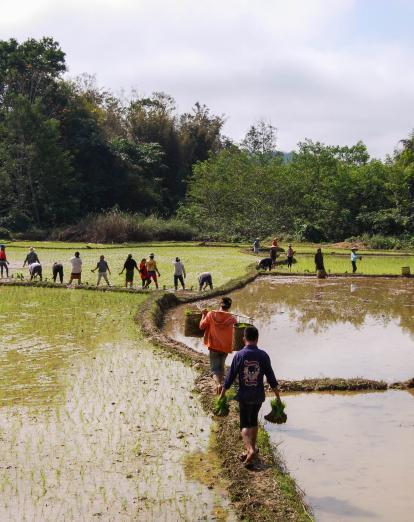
x: 69, y: 149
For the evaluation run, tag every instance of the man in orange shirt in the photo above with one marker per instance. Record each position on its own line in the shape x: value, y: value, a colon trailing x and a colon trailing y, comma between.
x: 218, y: 337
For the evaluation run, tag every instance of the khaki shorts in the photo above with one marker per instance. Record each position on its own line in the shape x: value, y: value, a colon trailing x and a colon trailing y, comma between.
x: 217, y: 362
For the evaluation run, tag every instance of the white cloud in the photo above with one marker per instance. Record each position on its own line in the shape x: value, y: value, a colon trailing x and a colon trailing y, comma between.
x: 287, y: 61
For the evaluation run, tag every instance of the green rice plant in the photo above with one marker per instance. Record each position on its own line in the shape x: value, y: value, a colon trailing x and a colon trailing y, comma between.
x: 277, y: 414
x: 221, y: 406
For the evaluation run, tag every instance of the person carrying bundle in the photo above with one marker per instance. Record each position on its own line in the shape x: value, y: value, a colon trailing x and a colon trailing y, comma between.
x: 218, y: 337
x: 250, y: 365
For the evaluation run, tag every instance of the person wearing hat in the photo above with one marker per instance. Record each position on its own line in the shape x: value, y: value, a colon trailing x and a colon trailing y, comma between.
x: 179, y: 273
x: 31, y: 257
x: 152, y: 270
x: 354, y: 258
x: 290, y: 253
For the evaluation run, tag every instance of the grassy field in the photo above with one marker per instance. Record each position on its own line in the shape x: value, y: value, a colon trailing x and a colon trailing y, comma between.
x: 224, y: 263
x: 369, y: 265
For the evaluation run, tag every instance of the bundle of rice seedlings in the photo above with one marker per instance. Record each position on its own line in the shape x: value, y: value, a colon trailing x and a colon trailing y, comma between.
x: 221, y: 406
x: 277, y: 414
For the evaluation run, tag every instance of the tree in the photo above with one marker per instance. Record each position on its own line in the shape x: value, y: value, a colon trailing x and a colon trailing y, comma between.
x: 261, y: 139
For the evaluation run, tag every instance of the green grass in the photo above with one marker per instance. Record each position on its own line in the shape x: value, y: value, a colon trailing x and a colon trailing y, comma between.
x: 224, y: 263
x: 369, y: 265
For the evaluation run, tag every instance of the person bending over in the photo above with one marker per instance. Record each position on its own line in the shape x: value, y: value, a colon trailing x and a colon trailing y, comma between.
x: 57, y: 270
x: 250, y: 365
x: 205, y: 280
x: 35, y: 269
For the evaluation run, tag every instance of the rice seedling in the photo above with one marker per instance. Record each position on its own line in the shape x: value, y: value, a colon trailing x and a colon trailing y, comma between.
x: 77, y: 395
x: 277, y: 414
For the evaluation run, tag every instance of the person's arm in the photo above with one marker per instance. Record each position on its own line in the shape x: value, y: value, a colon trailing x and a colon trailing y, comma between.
x: 107, y: 267
x: 231, y: 375
x: 205, y: 319
x: 185, y: 275
x: 25, y: 261
x: 270, y: 376
x: 156, y: 269
x: 93, y: 269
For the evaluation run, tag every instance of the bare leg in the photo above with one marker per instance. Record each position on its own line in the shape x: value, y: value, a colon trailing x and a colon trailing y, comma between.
x: 249, y: 436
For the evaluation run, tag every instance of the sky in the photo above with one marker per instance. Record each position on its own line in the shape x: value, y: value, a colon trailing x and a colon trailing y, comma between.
x: 335, y: 71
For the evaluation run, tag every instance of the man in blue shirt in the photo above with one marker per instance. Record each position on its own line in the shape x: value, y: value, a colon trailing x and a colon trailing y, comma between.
x: 250, y: 365
x: 354, y: 258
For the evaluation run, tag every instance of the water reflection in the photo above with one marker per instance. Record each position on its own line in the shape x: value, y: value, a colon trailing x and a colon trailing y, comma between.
x: 353, y: 454
x: 327, y: 328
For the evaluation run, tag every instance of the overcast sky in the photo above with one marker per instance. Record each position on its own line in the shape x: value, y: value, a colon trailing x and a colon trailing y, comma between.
x: 337, y: 71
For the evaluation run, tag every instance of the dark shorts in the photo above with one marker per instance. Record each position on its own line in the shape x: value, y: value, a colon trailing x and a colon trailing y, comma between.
x: 217, y: 361
x: 248, y: 414
x: 152, y: 275
x: 129, y: 276
x: 75, y: 276
x: 206, y: 280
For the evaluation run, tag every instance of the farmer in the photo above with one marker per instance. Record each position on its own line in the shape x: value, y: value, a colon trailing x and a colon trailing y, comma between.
x: 35, y: 269
x: 264, y: 264
x: 103, y: 268
x: 290, y: 253
x: 273, y: 251
x: 179, y: 273
x: 76, y: 272
x: 250, y: 365
x: 152, y: 270
x: 31, y: 257
x: 205, y: 279
x: 256, y: 246
x: 354, y: 258
x: 57, y: 270
x: 130, y: 265
x: 143, y: 272
x: 218, y: 337
x: 3, y: 261
x: 319, y: 260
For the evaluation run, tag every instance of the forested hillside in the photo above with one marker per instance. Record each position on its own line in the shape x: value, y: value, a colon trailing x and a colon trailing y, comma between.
x: 69, y: 149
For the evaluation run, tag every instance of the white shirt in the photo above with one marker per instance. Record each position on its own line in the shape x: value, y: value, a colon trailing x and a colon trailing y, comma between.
x: 178, y: 268
x: 76, y: 265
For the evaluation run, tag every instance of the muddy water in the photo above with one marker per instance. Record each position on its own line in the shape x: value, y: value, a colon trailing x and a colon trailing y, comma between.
x: 327, y: 328
x: 93, y: 424
x: 352, y: 454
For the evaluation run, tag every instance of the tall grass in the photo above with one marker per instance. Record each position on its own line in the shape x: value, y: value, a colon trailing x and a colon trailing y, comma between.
x: 119, y: 227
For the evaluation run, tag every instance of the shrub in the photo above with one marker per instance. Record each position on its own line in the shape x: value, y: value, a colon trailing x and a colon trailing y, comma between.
x: 120, y: 227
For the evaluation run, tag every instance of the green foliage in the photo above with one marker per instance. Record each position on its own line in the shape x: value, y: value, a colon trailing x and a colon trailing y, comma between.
x: 69, y: 148
x: 221, y: 406
x: 323, y: 193
x: 120, y: 227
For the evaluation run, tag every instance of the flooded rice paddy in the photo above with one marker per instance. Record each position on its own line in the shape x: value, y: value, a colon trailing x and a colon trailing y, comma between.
x: 93, y: 423
x: 353, y: 454
x: 327, y: 328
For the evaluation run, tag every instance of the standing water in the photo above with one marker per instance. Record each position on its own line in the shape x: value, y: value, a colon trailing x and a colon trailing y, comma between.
x: 353, y: 454
x: 327, y: 328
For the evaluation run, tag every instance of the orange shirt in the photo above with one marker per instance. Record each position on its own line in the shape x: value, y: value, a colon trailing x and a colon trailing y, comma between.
x: 218, y: 330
